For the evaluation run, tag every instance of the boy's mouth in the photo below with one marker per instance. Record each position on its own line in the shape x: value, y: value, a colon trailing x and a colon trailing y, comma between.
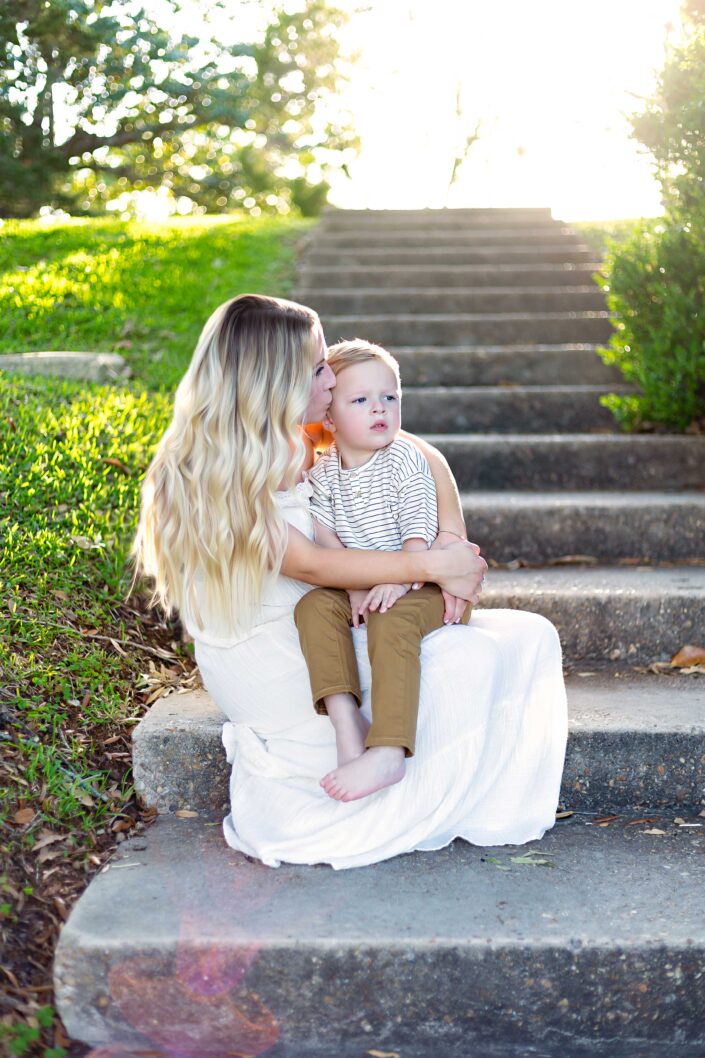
x: 379, y: 426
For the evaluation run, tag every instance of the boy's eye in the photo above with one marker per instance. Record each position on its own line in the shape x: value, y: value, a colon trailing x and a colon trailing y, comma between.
x: 390, y: 396
x: 359, y: 400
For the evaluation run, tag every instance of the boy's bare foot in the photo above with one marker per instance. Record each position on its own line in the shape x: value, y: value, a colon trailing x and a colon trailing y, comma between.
x: 350, y: 725
x: 378, y: 767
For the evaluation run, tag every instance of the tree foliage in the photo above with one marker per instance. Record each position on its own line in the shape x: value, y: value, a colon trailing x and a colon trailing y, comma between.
x: 672, y: 123
x: 98, y: 98
x: 654, y: 280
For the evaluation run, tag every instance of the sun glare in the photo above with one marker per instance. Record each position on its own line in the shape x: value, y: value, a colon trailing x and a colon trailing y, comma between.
x: 550, y: 84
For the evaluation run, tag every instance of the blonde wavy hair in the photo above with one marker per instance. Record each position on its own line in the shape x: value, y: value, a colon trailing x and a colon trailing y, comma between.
x: 208, y: 509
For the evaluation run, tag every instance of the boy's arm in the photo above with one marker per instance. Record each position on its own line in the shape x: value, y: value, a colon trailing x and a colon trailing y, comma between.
x: 450, y: 512
x: 325, y: 537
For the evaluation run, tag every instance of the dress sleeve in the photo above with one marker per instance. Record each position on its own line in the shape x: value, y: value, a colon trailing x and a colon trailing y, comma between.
x: 321, y: 502
x: 417, y: 501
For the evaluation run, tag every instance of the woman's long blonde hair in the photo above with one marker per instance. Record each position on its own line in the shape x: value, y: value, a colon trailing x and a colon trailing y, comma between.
x: 208, y: 507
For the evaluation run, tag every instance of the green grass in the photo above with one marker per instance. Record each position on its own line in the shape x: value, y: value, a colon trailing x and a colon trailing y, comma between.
x: 143, y: 290
x: 72, y: 457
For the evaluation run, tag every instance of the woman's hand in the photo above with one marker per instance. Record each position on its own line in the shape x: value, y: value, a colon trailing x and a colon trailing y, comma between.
x: 454, y: 604
x: 461, y: 572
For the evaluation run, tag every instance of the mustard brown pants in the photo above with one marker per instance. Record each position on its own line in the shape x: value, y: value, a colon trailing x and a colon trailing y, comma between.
x: 323, y: 618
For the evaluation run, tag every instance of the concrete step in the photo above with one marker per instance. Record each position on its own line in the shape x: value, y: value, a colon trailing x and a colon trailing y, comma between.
x: 450, y: 238
x: 430, y: 218
x: 551, y: 462
x: 316, y: 257
x: 471, y: 328
x: 536, y: 528
x: 402, y: 277
x: 633, y: 740
x: 183, y: 946
x: 428, y: 300
x: 637, y: 615
x: 494, y: 365
x: 507, y: 409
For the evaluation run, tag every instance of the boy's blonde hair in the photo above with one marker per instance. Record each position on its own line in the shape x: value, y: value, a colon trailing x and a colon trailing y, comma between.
x: 358, y: 351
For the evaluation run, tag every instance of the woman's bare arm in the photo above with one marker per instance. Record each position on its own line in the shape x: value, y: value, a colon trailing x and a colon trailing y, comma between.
x: 450, y: 511
x: 457, y: 568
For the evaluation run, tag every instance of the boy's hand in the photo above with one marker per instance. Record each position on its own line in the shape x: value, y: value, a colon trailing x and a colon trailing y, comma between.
x: 357, y: 597
x: 382, y: 597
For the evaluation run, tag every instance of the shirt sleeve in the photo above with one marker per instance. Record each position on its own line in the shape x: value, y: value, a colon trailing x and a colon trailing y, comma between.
x: 321, y: 502
x: 417, y: 500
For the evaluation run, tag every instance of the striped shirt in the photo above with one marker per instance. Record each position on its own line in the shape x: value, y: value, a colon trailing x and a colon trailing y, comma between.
x: 376, y: 507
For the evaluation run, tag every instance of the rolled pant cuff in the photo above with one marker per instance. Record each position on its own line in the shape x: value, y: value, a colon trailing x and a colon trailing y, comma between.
x: 408, y: 744
x: 319, y: 704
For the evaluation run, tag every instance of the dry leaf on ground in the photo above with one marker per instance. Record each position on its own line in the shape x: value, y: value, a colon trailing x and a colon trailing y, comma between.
x: 689, y: 655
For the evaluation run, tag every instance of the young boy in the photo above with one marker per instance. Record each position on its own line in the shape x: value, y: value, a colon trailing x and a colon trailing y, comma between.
x: 372, y: 490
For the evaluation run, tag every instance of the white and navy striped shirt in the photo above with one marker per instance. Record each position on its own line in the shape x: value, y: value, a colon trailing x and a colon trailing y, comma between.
x: 376, y: 507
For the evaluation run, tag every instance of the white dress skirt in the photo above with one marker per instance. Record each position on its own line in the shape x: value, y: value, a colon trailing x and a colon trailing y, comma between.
x: 490, y: 745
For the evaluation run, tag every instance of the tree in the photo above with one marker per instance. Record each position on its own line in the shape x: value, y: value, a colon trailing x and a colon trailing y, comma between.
x: 672, y: 124
x: 654, y: 280
x: 97, y: 98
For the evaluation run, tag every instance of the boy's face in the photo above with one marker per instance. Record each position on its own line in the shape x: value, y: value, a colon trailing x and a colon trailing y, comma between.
x: 365, y: 413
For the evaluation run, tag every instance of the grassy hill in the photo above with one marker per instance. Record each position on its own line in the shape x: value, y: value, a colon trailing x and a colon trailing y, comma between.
x: 79, y: 660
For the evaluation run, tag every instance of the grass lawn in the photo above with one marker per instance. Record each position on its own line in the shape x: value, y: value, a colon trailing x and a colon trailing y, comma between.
x: 79, y: 660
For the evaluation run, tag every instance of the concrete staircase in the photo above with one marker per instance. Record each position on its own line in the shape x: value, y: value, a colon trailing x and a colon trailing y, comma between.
x: 185, y: 947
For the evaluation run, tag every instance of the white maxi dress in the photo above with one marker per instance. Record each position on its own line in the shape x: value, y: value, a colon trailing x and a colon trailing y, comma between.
x: 489, y: 751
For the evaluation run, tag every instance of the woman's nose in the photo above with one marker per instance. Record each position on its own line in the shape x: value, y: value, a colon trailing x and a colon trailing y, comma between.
x: 330, y: 378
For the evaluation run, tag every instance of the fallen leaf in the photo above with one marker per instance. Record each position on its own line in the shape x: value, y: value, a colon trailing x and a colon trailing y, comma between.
x: 655, y: 830
x: 185, y: 813
x: 497, y: 863
x: 383, y: 1054
x: 117, y: 464
x: 679, y: 821
x: 46, y: 837
x: 23, y: 816
x: 605, y: 819
x: 564, y: 815
x: 646, y: 819
x: 532, y: 859
x: 689, y: 655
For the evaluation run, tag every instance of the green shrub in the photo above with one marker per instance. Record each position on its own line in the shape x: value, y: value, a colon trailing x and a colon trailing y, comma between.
x: 655, y: 283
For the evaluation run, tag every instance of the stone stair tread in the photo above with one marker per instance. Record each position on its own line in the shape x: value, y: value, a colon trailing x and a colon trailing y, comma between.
x: 610, y: 699
x: 633, y: 738
x: 434, y: 392
x: 603, y: 581
x: 617, y: 500
x: 282, y: 906
x: 332, y: 320
x: 445, y: 943
x: 583, y: 288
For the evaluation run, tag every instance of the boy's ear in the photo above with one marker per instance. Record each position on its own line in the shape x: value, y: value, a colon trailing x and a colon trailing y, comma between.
x: 329, y: 424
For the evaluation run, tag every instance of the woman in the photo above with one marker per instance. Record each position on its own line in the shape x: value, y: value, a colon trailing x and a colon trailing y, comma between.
x: 226, y: 533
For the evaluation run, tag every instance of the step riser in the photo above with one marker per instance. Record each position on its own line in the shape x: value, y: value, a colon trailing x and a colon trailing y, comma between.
x: 519, y: 366
x: 374, y: 302
x: 440, y: 239
x: 459, y: 330
x: 182, y: 766
x: 506, y: 411
x: 580, y: 462
x: 352, y: 219
x: 633, y: 629
x: 438, y: 277
x: 539, y: 534
x: 405, y: 998
x: 507, y: 255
